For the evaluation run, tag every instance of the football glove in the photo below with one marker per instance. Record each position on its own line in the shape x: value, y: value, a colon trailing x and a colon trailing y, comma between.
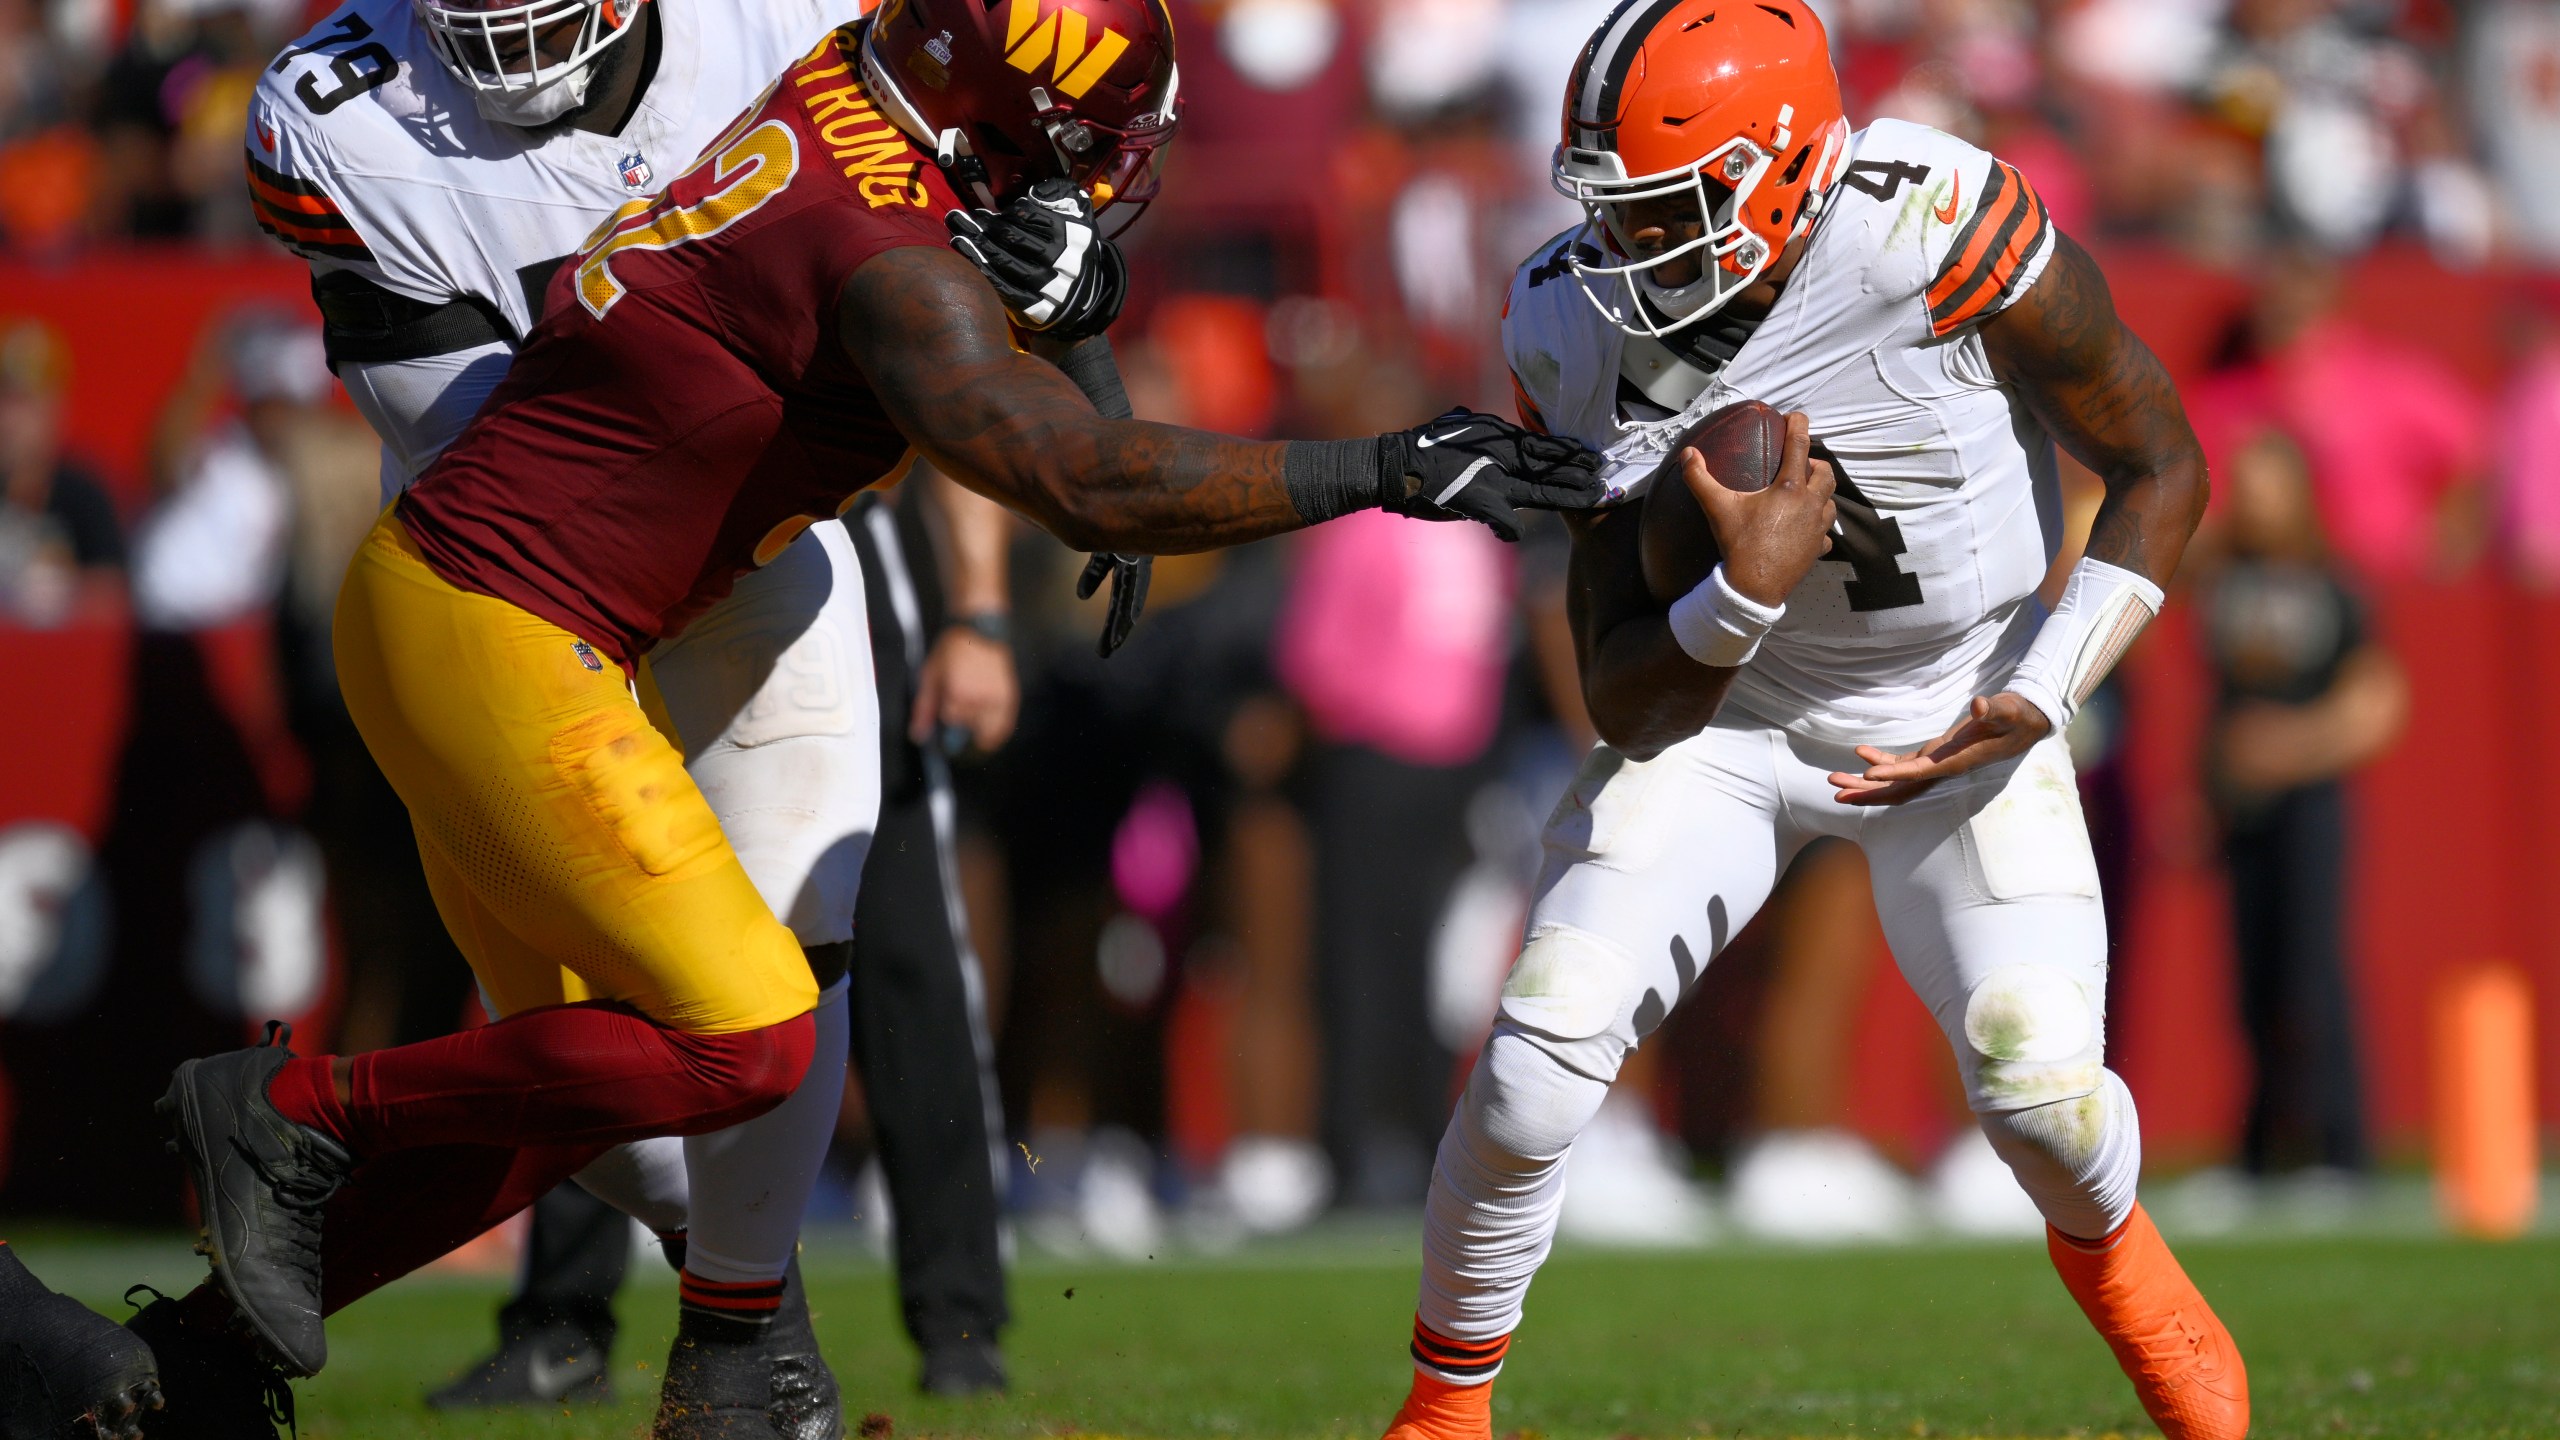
x: 1467, y: 465
x: 1051, y: 268
x: 1129, y: 575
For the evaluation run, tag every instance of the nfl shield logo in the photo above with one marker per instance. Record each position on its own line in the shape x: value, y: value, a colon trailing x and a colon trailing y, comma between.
x: 635, y: 172
x: 587, y: 656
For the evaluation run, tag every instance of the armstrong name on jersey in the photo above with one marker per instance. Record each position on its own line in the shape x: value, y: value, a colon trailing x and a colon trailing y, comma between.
x: 1949, y: 510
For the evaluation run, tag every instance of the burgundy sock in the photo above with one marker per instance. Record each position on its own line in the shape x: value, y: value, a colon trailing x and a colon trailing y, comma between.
x: 306, y: 1093
x: 571, y: 1075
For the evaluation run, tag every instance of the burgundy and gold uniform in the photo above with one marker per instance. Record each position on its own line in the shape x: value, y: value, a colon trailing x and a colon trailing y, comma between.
x: 684, y: 409
x: 681, y: 413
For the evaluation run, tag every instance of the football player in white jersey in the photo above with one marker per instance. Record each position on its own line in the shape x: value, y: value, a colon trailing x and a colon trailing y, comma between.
x: 434, y: 160
x: 1906, y: 298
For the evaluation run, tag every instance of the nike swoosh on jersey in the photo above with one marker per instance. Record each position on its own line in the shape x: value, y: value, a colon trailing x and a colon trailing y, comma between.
x: 1955, y: 188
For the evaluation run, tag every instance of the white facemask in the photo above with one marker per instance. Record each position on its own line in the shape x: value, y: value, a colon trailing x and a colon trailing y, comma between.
x: 532, y: 109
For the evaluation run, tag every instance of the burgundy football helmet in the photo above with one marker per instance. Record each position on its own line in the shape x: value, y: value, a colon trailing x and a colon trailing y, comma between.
x: 1007, y: 93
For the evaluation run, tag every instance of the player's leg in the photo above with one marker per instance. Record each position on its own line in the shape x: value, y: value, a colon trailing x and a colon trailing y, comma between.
x: 1989, y: 897
x: 1651, y: 867
x: 771, y: 693
x: 647, y: 987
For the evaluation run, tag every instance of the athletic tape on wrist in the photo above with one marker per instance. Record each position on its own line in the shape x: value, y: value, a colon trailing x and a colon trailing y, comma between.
x: 2102, y: 609
x: 1719, y: 625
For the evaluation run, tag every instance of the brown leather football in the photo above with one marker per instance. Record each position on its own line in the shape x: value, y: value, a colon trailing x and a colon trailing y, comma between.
x: 1742, y: 444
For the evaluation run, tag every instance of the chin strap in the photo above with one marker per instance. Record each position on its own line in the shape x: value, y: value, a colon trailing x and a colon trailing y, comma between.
x: 2101, y: 611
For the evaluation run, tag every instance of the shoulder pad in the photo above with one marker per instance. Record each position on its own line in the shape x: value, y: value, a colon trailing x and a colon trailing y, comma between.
x: 1942, y: 219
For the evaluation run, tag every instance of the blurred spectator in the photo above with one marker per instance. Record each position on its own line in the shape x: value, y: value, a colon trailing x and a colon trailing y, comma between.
x: 45, y: 158
x: 213, y: 548
x: 2512, y: 65
x: 2394, y: 439
x: 2528, y: 443
x: 1394, y: 640
x: 170, y: 111
x: 57, y: 526
x: 2305, y: 698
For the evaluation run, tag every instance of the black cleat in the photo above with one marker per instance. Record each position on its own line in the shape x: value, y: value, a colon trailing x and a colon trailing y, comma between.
x: 219, y: 1382
x: 544, y: 1365
x: 736, y: 1380
x: 66, y: 1371
x: 957, y: 1369
x: 260, y: 1182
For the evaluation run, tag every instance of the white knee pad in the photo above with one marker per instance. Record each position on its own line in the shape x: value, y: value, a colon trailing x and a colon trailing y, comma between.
x: 2078, y: 1159
x: 2034, y: 1034
x: 644, y: 1180
x: 1575, y: 996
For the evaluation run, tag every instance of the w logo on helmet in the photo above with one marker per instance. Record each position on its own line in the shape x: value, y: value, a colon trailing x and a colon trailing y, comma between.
x: 1059, y: 43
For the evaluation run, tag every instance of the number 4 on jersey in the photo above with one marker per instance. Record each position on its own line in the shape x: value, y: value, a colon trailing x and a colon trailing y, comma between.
x: 1870, y: 544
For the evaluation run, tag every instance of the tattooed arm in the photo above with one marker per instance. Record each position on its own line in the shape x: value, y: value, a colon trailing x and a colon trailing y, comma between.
x: 2106, y: 398
x: 937, y: 348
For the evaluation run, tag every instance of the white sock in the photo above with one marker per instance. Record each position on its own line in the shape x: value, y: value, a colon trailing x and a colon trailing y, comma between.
x: 751, y: 1182
x: 1497, y: 1186
x: 2079, y: 1160
x: 644, y: 1180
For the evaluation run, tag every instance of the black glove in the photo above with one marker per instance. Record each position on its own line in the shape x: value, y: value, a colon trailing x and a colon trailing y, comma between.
x: 1130, y: 575
x: 1464, y: 465
x: 1054, y: 272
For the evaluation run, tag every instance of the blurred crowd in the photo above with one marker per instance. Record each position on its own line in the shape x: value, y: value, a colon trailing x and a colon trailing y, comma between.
x: 1246, y: 891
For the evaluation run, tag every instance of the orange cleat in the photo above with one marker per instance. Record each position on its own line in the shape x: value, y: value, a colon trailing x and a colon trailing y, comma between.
x: 2181, y: 1361
x: 1438, y: 1410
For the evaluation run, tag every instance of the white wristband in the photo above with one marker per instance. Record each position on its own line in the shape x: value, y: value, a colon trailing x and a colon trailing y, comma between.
x: 1719, y: 625
x: 2102, y: 609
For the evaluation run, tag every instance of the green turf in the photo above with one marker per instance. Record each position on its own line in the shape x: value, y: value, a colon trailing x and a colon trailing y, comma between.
x: 2379, y: 1337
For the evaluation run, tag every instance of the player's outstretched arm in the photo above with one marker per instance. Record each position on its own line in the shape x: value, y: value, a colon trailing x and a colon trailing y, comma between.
x: 934, y: 342
x: 1644, y: 690
x: 2108, y: 400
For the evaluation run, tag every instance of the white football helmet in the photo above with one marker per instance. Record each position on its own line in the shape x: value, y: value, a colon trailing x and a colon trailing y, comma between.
x: 526, y: 64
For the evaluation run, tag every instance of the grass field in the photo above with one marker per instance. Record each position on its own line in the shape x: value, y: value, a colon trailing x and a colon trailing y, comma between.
x: 2400, y: 1337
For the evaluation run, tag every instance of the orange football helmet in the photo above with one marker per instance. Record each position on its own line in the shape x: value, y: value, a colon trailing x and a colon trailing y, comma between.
x: 1730, y: 103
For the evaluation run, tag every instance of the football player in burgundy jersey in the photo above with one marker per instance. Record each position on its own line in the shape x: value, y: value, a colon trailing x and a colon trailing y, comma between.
x: 718, y: 368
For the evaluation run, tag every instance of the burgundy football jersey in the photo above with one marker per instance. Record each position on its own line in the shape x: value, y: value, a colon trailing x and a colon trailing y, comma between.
x: 684, y: 409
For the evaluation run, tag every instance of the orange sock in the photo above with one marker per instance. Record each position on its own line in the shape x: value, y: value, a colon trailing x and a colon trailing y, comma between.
x: 1437, y: 1409
x: 2177, y: 1354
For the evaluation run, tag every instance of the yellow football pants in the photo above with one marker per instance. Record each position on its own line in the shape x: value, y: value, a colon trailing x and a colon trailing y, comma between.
x: 569, y: 852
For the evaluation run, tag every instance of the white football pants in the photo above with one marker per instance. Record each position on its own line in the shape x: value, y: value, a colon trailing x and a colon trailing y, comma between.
x: 1989, y: 897
x: 773, y: 696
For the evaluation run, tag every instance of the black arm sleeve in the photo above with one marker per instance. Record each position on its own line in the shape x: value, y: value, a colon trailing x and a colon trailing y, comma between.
x: 1097, y: 374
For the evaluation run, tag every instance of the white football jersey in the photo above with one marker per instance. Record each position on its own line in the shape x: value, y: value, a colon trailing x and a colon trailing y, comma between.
x: 367, y: 154
x: 1949, y: 510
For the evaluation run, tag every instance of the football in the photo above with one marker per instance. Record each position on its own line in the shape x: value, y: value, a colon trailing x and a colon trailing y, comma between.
x: 1741, y: 444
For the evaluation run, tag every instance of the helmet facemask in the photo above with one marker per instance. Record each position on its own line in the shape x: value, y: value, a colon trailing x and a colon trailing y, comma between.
x: 1698, y: 209
x: 527, y: 64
